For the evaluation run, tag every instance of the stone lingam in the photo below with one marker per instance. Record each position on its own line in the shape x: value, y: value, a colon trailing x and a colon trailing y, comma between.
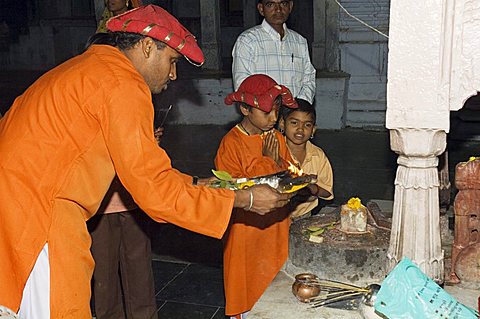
x: 341, y: 250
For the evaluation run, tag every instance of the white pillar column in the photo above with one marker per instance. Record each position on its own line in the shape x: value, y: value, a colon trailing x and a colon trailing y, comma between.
x: 416, y: 210
x: 418, y: 120
x: 210, y: 22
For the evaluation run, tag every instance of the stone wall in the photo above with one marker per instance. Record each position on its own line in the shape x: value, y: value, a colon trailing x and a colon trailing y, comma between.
x: 363, y: 55
x: 200, y: 101
x: 357, y: 101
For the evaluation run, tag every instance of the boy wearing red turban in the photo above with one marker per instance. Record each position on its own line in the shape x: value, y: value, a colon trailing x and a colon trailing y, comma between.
x: 255, y: 249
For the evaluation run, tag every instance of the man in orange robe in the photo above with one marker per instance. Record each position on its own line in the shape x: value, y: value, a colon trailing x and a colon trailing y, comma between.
x: 64, y: 139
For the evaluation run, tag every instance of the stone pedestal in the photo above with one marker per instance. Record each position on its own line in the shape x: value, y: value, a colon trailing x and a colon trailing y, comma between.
x: 416, y: 222
x: 358, y: 259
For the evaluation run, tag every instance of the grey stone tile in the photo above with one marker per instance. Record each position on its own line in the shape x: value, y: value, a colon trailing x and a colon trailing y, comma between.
x: 220, y: 314
x: 198, y: 284
x: 186, y: 246
x: 175, y: 310
x: 164, y: 272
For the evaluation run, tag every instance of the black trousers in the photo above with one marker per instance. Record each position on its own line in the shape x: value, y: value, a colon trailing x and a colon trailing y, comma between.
x: 122, y: 252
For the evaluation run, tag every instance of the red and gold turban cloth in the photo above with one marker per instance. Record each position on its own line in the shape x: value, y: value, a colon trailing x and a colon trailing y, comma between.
x: 260, y: 91
x: 157, y: 23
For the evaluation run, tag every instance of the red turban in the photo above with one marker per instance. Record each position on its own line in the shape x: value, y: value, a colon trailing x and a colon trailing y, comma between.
x: 157, y: 23
x: 260, y: 91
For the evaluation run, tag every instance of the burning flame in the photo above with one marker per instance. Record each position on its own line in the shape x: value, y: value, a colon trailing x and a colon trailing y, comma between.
x: 294, y: 169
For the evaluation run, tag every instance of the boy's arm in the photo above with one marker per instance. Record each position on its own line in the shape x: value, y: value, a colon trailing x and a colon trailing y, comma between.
x: 324, y: 176
x: 319, y: 191
x: 236, y: 158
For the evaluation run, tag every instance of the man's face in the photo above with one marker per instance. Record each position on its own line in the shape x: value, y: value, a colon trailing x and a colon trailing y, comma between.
x: 117, y: 6
x: 276, y: 12
x: 161, y: 68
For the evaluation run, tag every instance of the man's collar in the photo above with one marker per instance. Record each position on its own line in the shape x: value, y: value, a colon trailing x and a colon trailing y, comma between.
x: 272, y: 31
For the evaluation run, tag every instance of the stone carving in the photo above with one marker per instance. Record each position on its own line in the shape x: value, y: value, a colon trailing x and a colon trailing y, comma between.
x: 467, y: 211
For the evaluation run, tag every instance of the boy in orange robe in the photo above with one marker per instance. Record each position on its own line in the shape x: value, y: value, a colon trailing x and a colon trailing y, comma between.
x: 255, y: 249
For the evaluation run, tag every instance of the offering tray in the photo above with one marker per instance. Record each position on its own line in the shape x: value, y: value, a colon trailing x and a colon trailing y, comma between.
x: 284, y: 181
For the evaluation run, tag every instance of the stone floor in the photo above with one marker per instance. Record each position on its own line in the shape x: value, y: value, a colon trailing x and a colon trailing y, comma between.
x: 278, y: 302
x: 188, y: 266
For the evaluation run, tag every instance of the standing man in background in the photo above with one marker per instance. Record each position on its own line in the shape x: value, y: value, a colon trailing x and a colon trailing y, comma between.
x: 273, y: 49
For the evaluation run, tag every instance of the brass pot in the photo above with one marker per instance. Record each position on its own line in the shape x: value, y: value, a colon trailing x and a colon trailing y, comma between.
x: 304, y: 287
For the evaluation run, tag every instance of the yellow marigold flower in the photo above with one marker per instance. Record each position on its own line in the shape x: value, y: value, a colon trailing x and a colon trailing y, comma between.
x: 354, y: 203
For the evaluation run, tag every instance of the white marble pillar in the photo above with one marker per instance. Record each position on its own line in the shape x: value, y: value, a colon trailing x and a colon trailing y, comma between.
x: 418, y: 122
x: 434, y: 66
x: 416, y: 223
x: 211, y: 45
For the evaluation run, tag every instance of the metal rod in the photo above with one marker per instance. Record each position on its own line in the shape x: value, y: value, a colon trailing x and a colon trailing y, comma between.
x: 165, y: 116
x: 340, y: 298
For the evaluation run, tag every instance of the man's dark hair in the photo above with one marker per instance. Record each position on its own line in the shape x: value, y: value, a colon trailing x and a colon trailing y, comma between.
x: 303, y: 106
x: 121, y: 40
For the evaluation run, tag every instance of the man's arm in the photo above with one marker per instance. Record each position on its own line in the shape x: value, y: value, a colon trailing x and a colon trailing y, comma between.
x: 145, y: 170
x: 307, y: 92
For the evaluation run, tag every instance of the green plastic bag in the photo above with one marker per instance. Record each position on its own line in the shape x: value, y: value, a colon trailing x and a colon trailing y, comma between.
x: 407, y: 293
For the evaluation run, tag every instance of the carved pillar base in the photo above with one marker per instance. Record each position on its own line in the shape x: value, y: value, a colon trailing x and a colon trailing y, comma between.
x: 416, y: 216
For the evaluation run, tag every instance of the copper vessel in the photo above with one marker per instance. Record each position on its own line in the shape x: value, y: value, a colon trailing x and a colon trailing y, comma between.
x: 305, y: 288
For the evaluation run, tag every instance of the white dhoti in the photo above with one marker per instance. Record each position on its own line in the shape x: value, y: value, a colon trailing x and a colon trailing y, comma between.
x: 36, y: 294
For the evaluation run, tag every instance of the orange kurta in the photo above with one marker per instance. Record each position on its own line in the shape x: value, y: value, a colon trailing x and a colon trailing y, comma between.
x: 256, y: 247
x: 60, y: 145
